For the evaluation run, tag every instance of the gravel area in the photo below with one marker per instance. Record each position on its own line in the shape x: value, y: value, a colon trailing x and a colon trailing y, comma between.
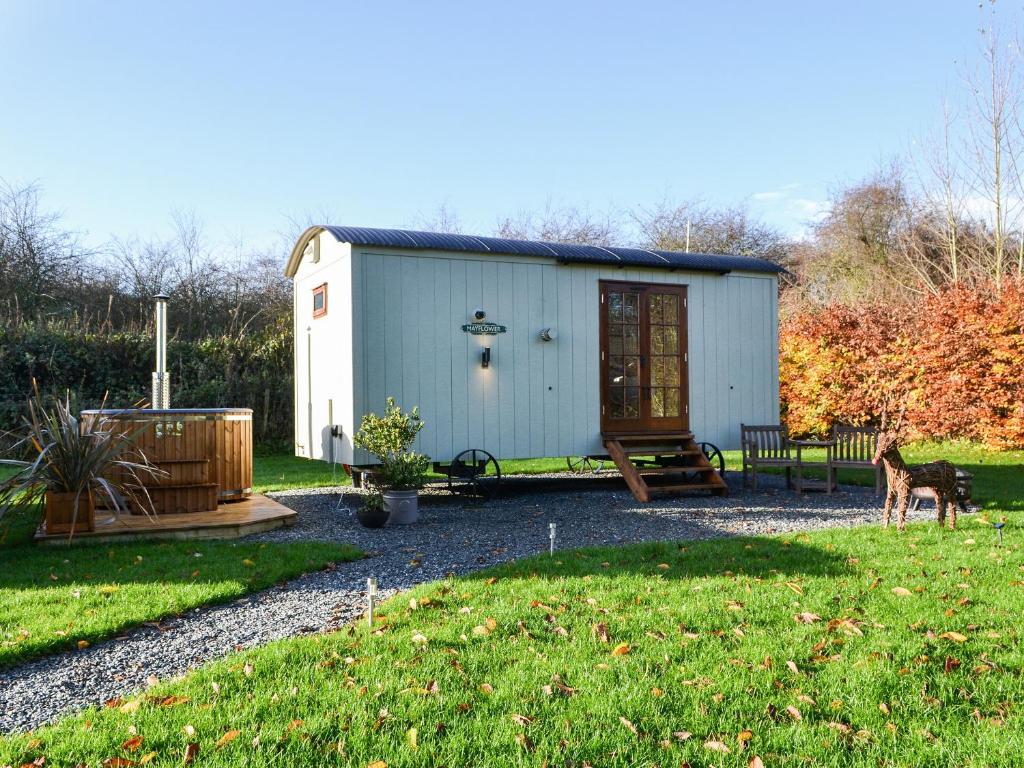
x: 453, y: 536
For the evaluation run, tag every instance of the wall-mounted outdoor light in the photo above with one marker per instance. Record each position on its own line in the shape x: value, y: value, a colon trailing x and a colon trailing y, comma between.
x: 548, y: 334
x: 485, y: 358
x: 479, y: 314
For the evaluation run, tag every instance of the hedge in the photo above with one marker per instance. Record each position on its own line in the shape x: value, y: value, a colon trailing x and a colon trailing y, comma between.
x: 253, y: 372
x: 954, y: 360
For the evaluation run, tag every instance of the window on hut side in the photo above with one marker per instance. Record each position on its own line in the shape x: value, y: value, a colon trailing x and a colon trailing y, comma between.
x: 320, y: 300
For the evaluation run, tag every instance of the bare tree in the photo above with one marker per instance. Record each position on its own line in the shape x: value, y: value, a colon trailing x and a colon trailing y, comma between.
x: 702, y: 229
x: 994, y: 147
x: 561, y: 225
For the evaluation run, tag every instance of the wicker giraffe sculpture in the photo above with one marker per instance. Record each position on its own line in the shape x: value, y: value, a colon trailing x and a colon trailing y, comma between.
x: 940, y: 476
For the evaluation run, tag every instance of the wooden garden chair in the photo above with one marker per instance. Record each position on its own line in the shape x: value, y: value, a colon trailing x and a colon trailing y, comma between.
x: 766, y: 445
x: 854, y: 447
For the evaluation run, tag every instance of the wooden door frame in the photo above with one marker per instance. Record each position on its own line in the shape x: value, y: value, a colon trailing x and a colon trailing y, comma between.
x: 645, y: 330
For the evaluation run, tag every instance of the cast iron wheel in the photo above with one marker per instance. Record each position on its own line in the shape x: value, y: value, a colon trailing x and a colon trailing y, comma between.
x: 581, y: 464
x: 475, y: 472
x: 714, y: 457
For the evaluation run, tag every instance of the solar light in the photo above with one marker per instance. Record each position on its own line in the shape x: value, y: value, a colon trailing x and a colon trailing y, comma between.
x: 371, y: 598
x: 551, y: 535
x: 999, y: 531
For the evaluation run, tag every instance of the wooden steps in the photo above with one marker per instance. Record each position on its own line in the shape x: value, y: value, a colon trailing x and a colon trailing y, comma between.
x: 674, y: 460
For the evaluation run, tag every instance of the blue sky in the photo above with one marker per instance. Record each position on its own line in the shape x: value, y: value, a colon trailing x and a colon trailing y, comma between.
x: 376, y: 113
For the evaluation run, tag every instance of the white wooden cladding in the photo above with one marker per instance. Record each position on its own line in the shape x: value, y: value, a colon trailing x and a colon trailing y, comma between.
x: 537, y: 398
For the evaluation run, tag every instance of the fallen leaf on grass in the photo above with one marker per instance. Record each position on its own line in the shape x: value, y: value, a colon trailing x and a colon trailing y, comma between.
x: 82, y: 644
x: 486, y: 688
x: 629, y: 725
x: 601, y: 632
x: 227, y: 738
x: 794, y: 713
x: 410, y: 738
x: 806, y: 618
x: 172, y: 701
x: 191, y: 751
x: 717, y: 746
x: 681, y: 735
x: 130, y: 706
x: 795, y: 587
x: 622, y: 649
x: 755, y: 762
x: 111, y: 762
x: 956, y: 637
x: 901, y: 591
x: 132, y: 744
x: 377, y: 764
x: 147, y: 757
x: 744, y: 736
x: 524, y: 741
x: 523, y: 720
x: 791, y: 665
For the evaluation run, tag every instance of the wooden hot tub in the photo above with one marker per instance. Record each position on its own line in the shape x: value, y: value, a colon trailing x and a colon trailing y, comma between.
x: 206, y: 453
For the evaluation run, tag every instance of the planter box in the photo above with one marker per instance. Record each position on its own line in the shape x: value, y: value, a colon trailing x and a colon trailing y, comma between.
x: 61, y: 516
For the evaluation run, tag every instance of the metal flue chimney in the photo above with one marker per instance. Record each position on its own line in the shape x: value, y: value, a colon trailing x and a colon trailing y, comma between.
x: 161, y: 379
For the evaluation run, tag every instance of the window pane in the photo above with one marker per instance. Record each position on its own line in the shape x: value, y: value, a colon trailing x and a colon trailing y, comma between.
x: 658, y: 371
x: 615, y: 339
x: 615, y: 369
x: 631, y: 307
x: 655, y: 308
x: 657, y: 340
x: 631, y: 406
x: 670, y: 340
x: 672, y: 402
x: 615, y: 307
x: 615, y: 407
x: 671, y: 365
x: 657, y: 402
x: 631, y: 339
x: 670, y: 306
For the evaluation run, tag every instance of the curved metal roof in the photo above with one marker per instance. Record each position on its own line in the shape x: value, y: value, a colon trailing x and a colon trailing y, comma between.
x: 564, y: 253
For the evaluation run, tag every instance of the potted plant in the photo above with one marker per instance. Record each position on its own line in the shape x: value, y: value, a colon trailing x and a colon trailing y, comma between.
x: 402, y: 471
x: 371, y: 512
x: 67, y: 464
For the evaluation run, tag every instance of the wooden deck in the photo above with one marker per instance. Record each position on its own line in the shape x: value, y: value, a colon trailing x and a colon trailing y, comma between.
x: 231, y: 520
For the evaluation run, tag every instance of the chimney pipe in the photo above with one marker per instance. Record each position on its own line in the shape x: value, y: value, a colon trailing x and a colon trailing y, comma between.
x: 161, y: 379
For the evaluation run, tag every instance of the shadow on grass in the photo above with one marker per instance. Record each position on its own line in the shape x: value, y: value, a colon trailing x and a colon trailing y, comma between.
x: 758, y: 557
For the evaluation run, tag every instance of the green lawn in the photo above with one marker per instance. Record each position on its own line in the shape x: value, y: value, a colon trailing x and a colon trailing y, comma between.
x: 54, y: 598
x: 843, y: 647
x: 851, y: 647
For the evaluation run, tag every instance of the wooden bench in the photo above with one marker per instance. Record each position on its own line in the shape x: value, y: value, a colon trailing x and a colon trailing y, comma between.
x: 853, y: 448
x: 766, y: 445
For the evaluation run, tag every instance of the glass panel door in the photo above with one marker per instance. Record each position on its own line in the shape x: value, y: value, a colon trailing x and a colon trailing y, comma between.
x: 643, y: 358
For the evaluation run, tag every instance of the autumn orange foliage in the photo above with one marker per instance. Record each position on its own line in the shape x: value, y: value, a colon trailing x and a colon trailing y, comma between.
x: 956, y: 360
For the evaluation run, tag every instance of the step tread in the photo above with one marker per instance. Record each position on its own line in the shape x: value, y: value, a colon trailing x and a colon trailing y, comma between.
x: 673, y: 470
x: 687, y: 487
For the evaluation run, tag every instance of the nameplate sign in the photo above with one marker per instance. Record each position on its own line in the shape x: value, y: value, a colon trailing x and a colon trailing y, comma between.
x: 484, y: 329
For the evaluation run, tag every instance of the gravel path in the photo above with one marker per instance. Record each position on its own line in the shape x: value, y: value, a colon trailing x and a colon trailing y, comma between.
x: 451, y: 537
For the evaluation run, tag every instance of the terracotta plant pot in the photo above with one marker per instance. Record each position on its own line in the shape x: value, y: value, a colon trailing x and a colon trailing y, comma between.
x: 60, y: 513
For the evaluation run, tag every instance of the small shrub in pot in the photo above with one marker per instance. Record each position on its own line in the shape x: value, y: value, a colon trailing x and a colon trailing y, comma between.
x: 402, y: 471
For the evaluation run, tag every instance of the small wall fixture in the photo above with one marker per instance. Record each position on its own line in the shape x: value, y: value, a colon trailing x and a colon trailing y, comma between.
x: 479, y: 314
x: 548, y: 334
x: 485, y: 358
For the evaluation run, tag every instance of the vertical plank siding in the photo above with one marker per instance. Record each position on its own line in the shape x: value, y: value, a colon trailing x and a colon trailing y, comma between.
x: 537, y: 398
